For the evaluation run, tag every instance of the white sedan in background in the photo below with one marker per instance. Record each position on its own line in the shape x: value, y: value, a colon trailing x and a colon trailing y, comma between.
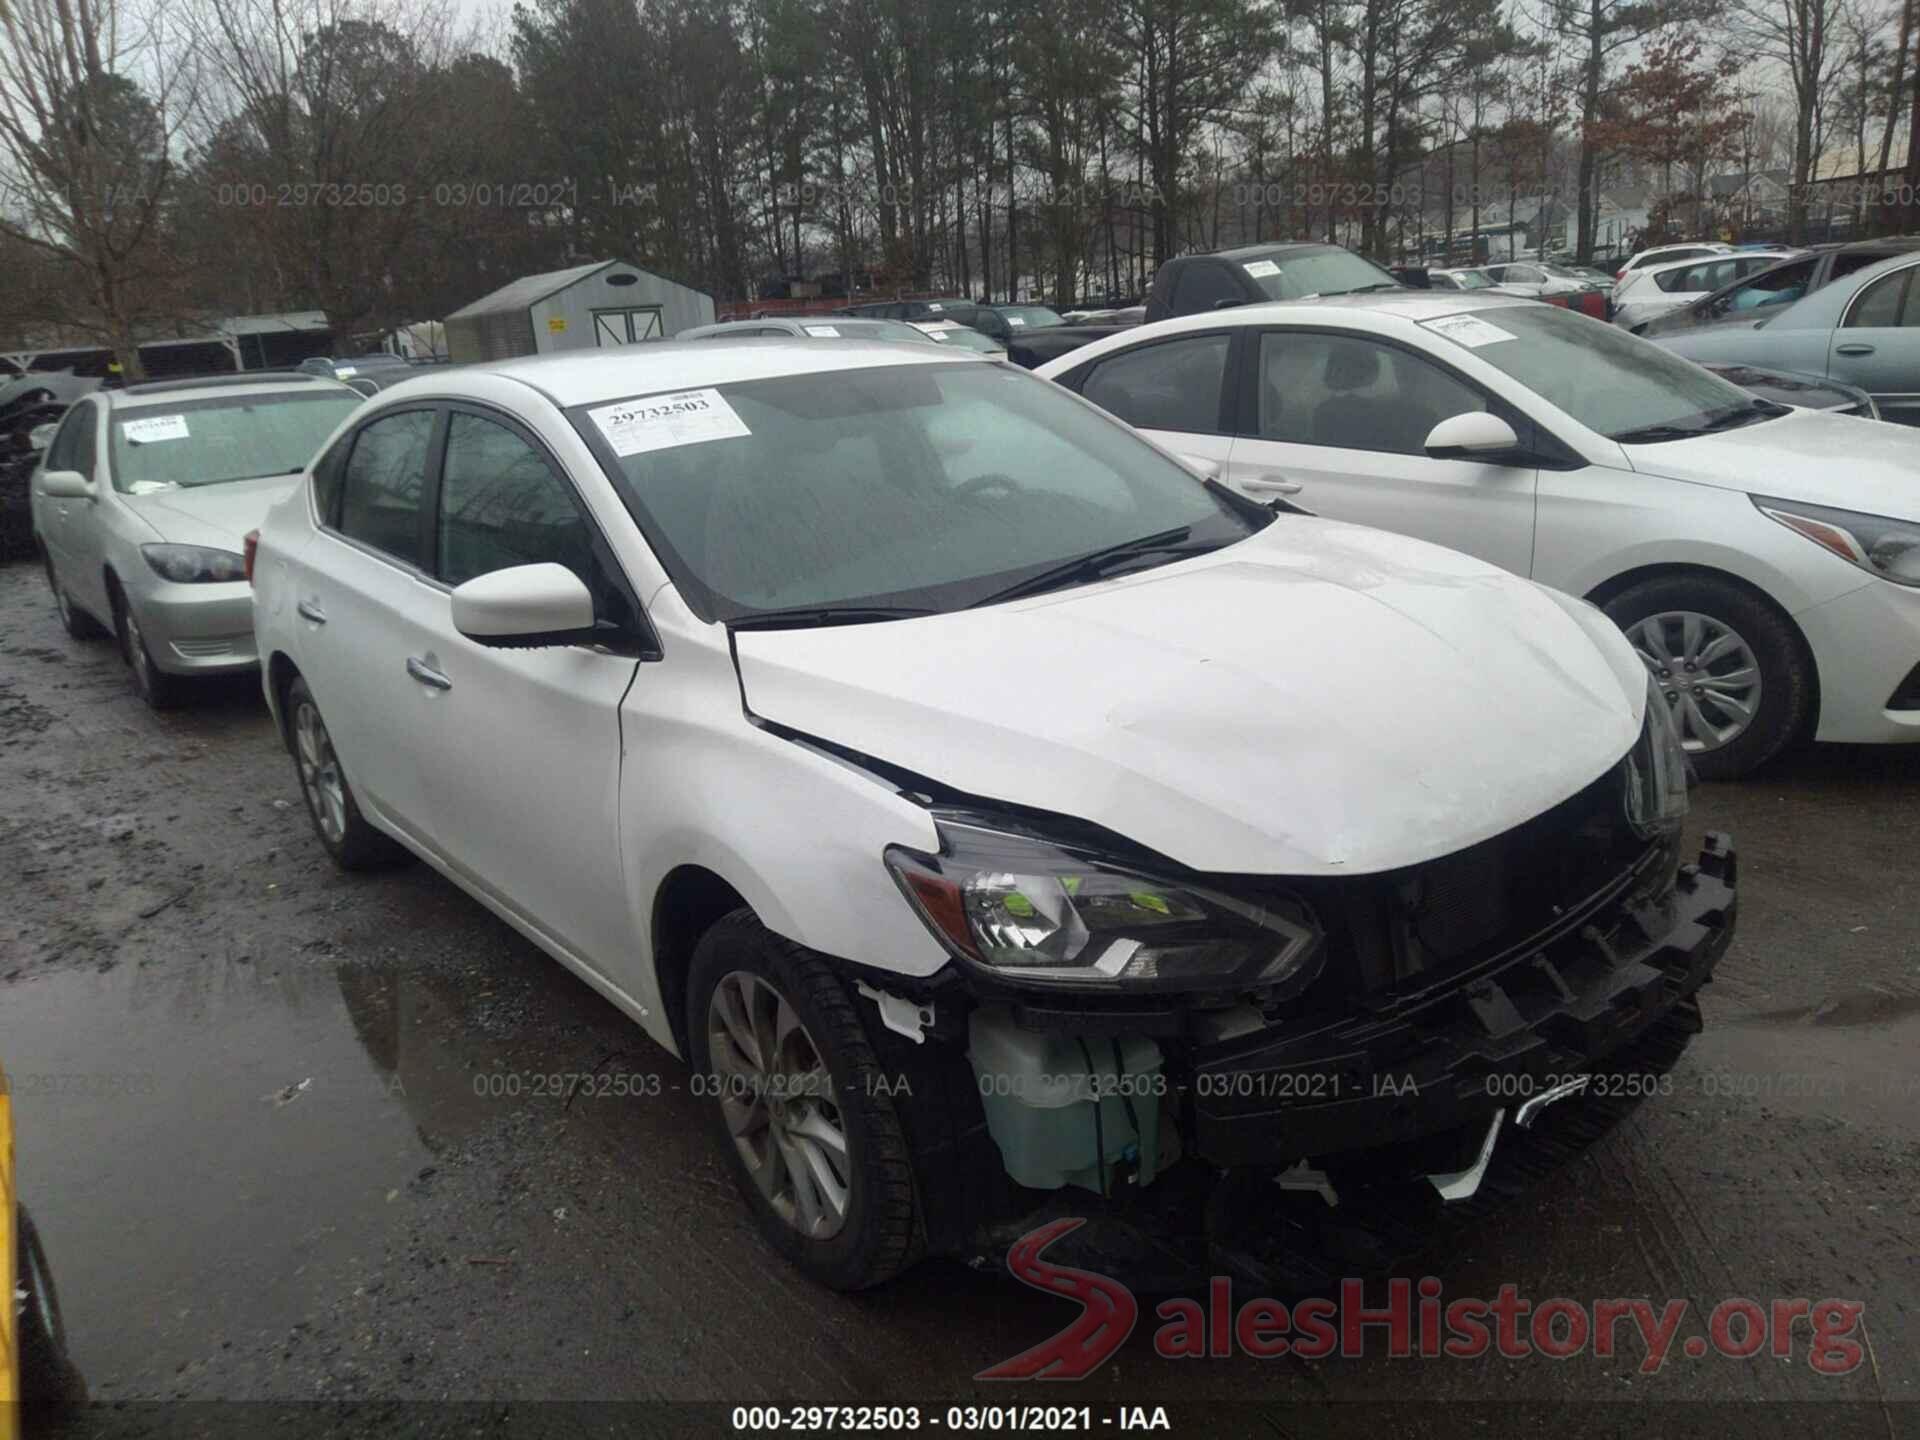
x: 1650, y: 291
x: 1765, y: 561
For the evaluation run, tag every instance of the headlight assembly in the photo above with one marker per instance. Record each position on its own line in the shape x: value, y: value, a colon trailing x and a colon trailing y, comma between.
x: 1026, y: 910
x: 194, y: 564
x: 1874, y: 543
x: 1657, y: 771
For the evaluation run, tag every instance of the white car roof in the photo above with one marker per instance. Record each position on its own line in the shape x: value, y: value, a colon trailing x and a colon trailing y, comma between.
x: 1661, y: 267
x: 588, y: 377
x: 159, y: 394
x: 1346, y: 312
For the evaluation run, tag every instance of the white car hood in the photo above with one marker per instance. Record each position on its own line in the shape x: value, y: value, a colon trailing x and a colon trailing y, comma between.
x: 1838, y: 460
x: 1319, y: 699
x: 218, y: 516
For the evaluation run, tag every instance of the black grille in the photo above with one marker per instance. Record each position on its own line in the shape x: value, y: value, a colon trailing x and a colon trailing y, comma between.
x: 1408, y: 929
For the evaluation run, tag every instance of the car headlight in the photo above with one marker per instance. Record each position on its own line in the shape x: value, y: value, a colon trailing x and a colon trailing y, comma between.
x: 1657, y: 771
x: 194, y: 564
x: 1880, y: 546
x: 1024, y: 909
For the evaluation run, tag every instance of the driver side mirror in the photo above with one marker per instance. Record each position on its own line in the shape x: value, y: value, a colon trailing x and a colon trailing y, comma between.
x: 525, y: 607
x: 65, y: 485
x: 1475, y: 435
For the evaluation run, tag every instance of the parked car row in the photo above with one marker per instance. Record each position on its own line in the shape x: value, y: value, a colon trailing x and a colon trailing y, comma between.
x: 1250, y: 703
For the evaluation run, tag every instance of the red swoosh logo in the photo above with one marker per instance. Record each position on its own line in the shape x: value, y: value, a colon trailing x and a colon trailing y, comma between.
x: 1107, y: 1312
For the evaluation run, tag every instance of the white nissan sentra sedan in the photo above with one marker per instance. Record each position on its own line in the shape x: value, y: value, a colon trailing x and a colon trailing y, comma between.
x: 1765, y: 560
x: 992, y: 813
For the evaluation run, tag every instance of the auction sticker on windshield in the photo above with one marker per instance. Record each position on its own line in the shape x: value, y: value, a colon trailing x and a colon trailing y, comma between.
x: 825, y: 332
x: 1469, y: 330
x: 151, y: 428
x: 1260, y: 269
x: 662, y: 422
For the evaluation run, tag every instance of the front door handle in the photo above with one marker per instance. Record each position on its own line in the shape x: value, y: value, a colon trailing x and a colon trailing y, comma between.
x: 1853, y: 349
x: 310, y: 610
x: 1277, y: 484
x: 426, y: 674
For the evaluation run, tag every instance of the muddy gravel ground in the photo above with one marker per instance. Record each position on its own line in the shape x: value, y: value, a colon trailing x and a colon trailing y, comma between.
x: 282, y: 1134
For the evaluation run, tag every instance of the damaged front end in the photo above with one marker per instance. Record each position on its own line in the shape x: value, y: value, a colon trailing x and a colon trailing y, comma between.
x: 1288, y: 1079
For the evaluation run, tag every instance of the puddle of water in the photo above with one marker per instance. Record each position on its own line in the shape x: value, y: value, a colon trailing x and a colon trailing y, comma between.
x: 1855, y: 1060
x: 1862, y: 1007
x: 180, y: 1204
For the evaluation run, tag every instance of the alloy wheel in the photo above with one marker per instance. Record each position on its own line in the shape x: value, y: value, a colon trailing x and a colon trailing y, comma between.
x: 320, y: 772
x: 1706, y: 670
x: 778, y: 1098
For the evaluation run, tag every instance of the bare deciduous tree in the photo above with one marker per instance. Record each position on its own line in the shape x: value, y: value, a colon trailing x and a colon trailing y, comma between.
x: 92, y: 99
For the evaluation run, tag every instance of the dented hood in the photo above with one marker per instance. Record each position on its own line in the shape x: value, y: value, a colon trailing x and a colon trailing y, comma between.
x: 1318, y: 699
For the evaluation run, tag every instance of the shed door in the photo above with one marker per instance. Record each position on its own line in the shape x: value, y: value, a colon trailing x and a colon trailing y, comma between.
x: 623, y: 327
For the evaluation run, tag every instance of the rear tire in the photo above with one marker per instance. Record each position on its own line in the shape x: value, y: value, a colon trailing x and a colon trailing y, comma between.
x: 875, y: 1232
x: 75, y: 621
x: 353, y: 843
x: 1748, y: 688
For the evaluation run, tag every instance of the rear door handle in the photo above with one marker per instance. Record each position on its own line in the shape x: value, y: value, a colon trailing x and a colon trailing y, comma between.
x: 310, y: 610
x: 1854, y: 349
x: 426, y: 674
x: 1277, y: 484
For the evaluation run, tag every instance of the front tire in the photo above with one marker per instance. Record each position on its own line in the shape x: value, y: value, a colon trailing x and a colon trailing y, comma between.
x: 159, y: 689
x: 353, y: 843
x: 810, y: 1131
x: 1734, y: 672
x: 49, y: 1381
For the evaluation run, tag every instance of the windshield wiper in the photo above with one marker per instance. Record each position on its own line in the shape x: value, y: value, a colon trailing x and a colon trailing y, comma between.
x: 800, y: 617
x: 1089, y: 567
x: 1647, y: 434
x: 1746, y: 415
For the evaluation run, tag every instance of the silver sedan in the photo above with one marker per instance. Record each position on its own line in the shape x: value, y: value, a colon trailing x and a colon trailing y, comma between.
x: 142, y: 504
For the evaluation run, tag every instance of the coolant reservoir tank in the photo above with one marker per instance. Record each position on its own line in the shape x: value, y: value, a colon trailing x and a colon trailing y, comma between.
x: 1042, y: 1092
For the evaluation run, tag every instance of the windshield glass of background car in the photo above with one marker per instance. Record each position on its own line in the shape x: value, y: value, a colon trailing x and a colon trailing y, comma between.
x: 1296, y: 274
x: 207, y: 442
x: 1608, y: 380
x: 914, y: 485
x: 1030, y: 317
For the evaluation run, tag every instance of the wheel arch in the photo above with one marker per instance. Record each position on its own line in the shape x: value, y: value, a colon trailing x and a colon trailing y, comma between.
x: 1610, y: 589
x: 281, y: 673
x: 688, y: 902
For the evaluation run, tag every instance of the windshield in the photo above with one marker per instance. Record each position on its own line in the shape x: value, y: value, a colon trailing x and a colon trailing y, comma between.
x: 960, y: 337
x: 1609, y: 381
x: 1471, y: 280
x: 844, y: 328
x: 209, y: 442
x: 1029, y: 317
x: 1316, y: 270
x: 923, y: 486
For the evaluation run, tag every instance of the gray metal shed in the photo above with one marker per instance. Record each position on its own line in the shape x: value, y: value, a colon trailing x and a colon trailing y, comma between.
x: 606, y: 303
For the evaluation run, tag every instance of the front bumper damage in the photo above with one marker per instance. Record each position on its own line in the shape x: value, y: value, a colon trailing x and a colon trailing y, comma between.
x: 1307, y: 1149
